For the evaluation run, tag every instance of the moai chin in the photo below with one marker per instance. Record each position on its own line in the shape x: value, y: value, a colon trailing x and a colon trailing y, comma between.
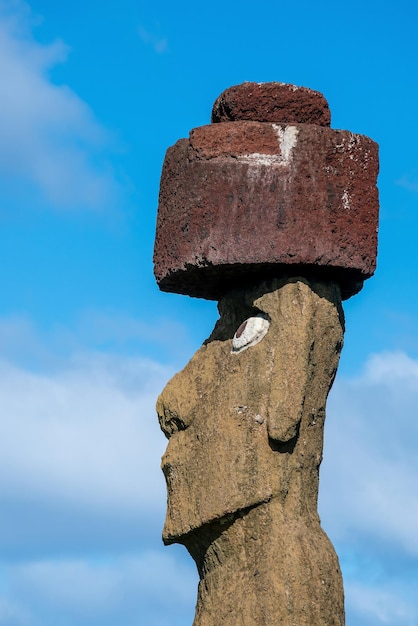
x: 273, y: 214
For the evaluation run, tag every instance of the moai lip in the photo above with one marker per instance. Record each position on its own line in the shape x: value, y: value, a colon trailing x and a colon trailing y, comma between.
x: 268, y: 190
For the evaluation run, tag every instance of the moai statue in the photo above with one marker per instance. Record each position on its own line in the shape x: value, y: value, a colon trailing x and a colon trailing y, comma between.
x: 273, y: 214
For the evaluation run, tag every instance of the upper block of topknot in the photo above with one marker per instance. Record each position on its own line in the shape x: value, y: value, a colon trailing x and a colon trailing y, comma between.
x: 271, y: 102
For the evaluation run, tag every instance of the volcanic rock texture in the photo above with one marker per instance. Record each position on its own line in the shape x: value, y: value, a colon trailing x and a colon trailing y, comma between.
x: 245, y: 435
x: 271, y: 102
x: 245, y: 200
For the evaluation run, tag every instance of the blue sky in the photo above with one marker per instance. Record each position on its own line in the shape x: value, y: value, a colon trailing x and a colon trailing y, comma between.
x: 91, y: 96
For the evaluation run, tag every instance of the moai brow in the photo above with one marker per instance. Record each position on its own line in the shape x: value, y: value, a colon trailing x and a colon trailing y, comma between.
x: 274, y: 214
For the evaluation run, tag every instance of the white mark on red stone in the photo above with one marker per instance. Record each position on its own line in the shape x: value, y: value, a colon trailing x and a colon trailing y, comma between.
x: 287, y: 137
x: 261, y: 159
x: 346, y: 199
x: 250, y: 333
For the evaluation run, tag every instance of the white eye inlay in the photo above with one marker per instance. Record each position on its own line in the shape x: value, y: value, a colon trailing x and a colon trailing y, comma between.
x: 250, y: 333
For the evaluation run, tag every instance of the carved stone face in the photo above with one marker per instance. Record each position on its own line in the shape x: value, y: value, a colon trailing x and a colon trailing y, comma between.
x: 240, y: 432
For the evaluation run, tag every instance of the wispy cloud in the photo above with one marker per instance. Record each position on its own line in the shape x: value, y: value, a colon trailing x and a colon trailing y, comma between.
x: 369, y: 495
x: 125, y: 589
x: 111, y: 331
x: 372, y: 437
x: 79, y: 435
x: 79, y: 473
x: 371, y: 604
x: 409, y: 181
x: 50, y: 142
x: 151, y: 38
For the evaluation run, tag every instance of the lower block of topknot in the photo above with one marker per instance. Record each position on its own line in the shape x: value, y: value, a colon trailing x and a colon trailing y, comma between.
x: 244, y: 200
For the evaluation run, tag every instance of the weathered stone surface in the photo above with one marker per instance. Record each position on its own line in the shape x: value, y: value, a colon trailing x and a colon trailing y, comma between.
x: 275, y: 214
x: 244, y: 200
x: 271, y: 102
x: 242, y: 463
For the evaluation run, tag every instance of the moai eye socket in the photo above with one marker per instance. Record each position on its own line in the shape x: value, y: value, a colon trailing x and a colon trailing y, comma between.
x: 250, y: 333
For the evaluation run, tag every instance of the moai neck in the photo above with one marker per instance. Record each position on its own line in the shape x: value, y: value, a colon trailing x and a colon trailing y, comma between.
x: 263, y: 568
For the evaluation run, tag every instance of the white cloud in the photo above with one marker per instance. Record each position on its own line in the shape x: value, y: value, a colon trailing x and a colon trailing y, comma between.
x: 153, y: 586
x: 382, y: 605
x: 101, y: 585
x: 86, y: 434
x: 13, y: 615
x: 113, y: 331
x: 369, y: 493
x: 50, y: 141
x: 370, y: 472
x: 81, y: 491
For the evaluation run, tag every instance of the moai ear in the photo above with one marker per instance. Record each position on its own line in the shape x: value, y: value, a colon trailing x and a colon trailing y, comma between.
x: 291, y: 321
x: 308, y: 323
